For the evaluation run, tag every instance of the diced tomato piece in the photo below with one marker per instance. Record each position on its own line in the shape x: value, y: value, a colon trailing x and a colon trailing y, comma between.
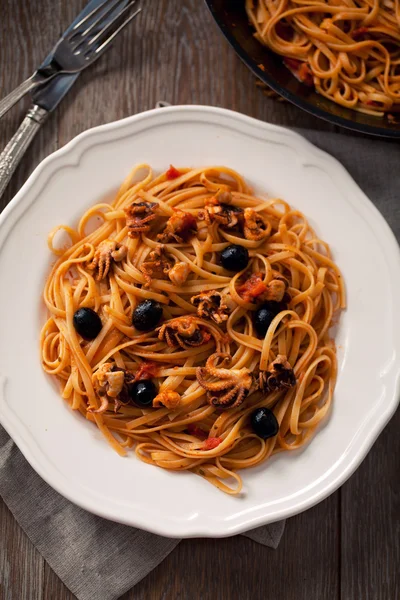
x: 292, y: 63
x: 252, y: 287
x: 147, y: 370
x: 188, y: 221
x: 212, y: 443
x: 300, y: 69
x: 305, y: 75
x: 172, y: 173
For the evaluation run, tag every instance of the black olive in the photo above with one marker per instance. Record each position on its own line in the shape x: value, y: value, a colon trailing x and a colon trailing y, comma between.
x: 235, y: 258
x: 87, y: 323
x: 142, y: 392
x: 264, y: 316
x: 147, y: 315
x: 264, y: 423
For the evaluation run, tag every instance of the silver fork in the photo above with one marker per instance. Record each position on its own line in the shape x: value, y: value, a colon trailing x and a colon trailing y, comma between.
x: 76, y: 50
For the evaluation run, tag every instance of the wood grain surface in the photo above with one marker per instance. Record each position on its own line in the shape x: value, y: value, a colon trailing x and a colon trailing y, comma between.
x: 348, y: 546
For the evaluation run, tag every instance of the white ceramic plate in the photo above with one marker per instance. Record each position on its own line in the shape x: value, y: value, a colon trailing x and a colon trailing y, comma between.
x: 68, y: 452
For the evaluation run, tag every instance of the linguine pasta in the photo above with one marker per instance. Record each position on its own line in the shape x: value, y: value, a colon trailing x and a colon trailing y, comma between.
x: 349, y: 50
x: 161, y: 244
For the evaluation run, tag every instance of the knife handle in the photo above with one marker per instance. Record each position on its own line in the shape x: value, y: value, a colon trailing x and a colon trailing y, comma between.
x: 17, y: 146
x: 26, y: 86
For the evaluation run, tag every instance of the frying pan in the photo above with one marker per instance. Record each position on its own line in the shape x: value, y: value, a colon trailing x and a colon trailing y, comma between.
x: 230, y: 16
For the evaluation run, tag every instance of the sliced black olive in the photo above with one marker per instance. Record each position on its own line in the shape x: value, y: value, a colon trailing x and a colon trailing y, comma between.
x: 147, y: 315
x: 143, y: 392
x: 265, y: 314
x: 264, y: 423
x: 235, y: 258
x: 87, y: 323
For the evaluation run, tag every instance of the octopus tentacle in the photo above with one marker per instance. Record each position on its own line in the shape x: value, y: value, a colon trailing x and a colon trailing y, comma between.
x: 139, y: 216
x: 179, y: 227
x: 280, y: 375
x: 218, y: 208
x: 235, y: 383
x: 107, y: 252
x: 108, y: 383
x: 102, y: 408
x: 211, y: 305
x: 256, y: 227
x: 184, y: 332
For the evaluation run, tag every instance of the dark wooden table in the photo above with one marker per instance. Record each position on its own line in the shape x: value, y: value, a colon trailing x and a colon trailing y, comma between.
x: 348, y: 546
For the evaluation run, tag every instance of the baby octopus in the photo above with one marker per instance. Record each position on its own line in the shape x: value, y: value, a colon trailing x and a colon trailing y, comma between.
x: 211, y: 305
x: 178, y: 228
x: 256, y: 227
x: 179, y: 273
x: 232, y: 385
x: 139, y: 216
x: 183, y: 332
x: 156, y: 265
x: 218, y: 208
x: 107, y: 252
x: 279, y: 375
x: 169, y: 399
x: 108, y: 382
x: 276, y: 289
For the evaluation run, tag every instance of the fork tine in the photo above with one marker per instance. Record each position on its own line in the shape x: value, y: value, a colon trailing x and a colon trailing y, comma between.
x: 113, y: 6
x: 100, y: 35
x: 88, y: 17
x: 108, y: 41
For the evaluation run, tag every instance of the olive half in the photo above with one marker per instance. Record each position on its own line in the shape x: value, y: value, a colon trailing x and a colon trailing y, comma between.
x: 265, y: 314
x: 264, y: 423
x: 235, y: 258
x: 147, y: 315
x: 142, y: 393
x: 87, y: 323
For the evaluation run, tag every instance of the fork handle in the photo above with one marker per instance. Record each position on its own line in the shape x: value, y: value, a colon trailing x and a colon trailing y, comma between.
x: 26, y: 86
x: 17, y: 146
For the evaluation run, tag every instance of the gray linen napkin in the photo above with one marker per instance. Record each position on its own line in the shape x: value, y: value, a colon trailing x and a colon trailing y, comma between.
x: 98, y: 559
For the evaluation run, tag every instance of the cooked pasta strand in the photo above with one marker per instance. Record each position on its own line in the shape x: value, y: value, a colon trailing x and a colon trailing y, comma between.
x: 211, y: 367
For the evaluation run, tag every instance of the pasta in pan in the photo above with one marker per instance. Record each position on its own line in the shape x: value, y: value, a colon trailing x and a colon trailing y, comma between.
x: 349, y: 50
x: 192, y: 324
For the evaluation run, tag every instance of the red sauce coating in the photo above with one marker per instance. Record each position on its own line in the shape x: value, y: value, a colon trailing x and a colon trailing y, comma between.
x: 359, y: 33
x: 193, y: 429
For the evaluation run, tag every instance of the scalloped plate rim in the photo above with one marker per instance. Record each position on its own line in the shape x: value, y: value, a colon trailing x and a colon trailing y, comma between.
x: 171, y: 526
